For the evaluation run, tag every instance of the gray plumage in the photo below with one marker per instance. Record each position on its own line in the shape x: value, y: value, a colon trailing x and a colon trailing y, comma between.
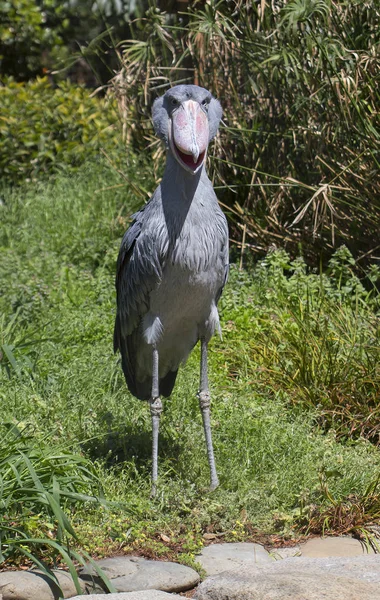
x: 173, y: 260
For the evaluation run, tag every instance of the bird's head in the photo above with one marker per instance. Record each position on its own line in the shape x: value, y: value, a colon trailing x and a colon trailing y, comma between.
x: 187, y: 118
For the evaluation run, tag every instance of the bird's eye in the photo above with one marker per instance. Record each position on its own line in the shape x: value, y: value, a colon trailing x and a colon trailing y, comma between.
x: 174, y: 102
x: 205, y: 103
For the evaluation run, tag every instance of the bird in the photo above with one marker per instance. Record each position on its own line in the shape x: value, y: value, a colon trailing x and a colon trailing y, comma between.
x: 173, y: 264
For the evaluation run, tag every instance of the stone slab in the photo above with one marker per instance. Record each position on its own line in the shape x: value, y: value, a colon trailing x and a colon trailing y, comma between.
x: 298, y: 578
x: 24, y: 585
x: 333, y: 546
x: 288, y: 586
x: 142, y: 595
x: 217, y: 558
x: 133, y: 573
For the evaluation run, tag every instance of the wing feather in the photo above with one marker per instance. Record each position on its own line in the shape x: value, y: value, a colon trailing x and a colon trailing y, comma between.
x: 223, y: 228
x: 138, y: 272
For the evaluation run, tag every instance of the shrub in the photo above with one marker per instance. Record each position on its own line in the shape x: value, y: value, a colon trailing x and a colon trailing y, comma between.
x: 25, y: 37
x: 298, y: 158
x: 44, y: 130
x: 38, y: 35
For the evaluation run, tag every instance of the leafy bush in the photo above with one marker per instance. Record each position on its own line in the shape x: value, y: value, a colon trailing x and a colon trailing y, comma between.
x: 25, y: 37
x: 46, y: 129
x: 38, y: 35
x: 299, y: 157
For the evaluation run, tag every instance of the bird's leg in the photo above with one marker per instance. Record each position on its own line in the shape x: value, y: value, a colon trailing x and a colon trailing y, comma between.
x: 204, y: 403
x: 155, y: 411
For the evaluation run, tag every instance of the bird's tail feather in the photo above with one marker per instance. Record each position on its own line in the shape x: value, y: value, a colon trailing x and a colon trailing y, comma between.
x: 167, y: 383
x: 143, y: 389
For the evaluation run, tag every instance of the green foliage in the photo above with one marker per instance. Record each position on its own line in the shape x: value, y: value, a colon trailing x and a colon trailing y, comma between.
x: 37, y: 485
x: 36, y: 480
x: 270, y: 387
x: 318, y: 340
x: 298, y: 159
x: 37, y: 36
x: 354, y: 515
x: 46, y: 129
x: 25, y: 37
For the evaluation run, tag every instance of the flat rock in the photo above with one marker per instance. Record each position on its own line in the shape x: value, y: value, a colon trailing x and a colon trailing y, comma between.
x: 333, y: 546
x: 133, y: 573
x: 142, y: 595
x: 292, y: 586
x: 33, y: 585
x: 298, y: 578
x: 225, y: 557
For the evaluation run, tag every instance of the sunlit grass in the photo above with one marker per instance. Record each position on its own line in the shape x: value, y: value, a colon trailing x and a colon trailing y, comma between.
x: 291, y: 342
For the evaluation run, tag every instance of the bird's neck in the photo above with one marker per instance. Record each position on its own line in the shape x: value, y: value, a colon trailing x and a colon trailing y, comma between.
x: 178, y: 181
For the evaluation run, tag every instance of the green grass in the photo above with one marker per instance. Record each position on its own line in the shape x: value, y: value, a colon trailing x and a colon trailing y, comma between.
x: 293, y: 344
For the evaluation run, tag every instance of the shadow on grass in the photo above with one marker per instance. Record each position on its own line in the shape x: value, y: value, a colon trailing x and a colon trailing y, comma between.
x: 130, y: 445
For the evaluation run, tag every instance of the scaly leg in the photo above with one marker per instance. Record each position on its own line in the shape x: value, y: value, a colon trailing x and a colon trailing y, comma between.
x: 155, y: 411
x: 204, y: 403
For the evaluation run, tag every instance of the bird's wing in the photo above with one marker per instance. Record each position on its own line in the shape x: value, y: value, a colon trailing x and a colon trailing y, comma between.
x: 138, y: 272
x: 223, y: 227
x: 220, y: 290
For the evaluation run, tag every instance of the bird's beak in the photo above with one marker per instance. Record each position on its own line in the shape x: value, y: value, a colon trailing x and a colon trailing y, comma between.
x: 189, y: 135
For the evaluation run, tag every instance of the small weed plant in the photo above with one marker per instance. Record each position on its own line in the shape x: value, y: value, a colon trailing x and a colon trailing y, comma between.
x: 38, y: 485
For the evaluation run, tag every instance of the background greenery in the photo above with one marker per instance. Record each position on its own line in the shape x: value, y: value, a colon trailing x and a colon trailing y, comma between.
x: 297, y: 161
x: 295, y: 379
x: 40, y: 137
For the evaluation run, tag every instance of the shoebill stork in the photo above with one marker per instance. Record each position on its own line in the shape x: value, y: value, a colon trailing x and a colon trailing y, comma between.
x: 173, y: 263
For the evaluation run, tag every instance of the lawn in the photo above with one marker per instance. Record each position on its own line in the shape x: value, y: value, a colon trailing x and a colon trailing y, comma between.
x: 294, y: 384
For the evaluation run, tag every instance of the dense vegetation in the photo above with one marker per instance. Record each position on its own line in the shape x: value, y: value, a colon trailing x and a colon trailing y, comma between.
x: 298, y: 158
x: 295, y: 379
x: 297, y: 162
x: 38, y: 134
x: 38, y: 36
